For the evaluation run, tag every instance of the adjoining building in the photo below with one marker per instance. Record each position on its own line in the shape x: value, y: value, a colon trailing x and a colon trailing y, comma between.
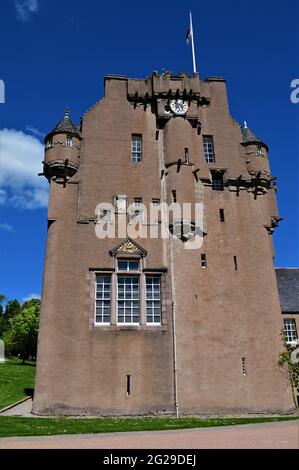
x: 148, y: 325
x: 288, y: 288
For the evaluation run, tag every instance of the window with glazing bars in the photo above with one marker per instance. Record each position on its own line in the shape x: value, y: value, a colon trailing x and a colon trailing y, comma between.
x: 217, y: 181
x: 153, y: 300
x: 128, y: 299
x: 103, y: 299
x: 127, y: 265
x: 136, y: 148
x: 290, y: 330
x: 208, y: 147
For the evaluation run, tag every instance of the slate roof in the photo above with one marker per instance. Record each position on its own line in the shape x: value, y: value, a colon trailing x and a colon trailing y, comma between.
x: 248, y: 136
x: 288, y: 288
x: 66, y: 126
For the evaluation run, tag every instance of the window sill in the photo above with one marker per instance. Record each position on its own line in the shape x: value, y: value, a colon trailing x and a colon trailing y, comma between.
x: 147, y: 328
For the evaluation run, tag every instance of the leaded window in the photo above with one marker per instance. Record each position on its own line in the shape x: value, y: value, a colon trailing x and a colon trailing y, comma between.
x: 153, y: 300
x: 103, y: 299
x: 136, y: 148
x: 290, y: 330
x: 128, y: 299
x: 208, y: 147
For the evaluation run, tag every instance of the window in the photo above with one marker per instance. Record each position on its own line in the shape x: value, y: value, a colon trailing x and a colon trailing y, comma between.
x: 259, y: 151
x: 187, y: 158
x: 235, y: 263
x: 69, y: 141
x: 128, y: 265
x: 153, y: 300
x: 244, y: 368
x: 290, y: 331
x: 128, y: 299
x: 221, y: 215
x: 174, y: 196
x: 136, y: 148
x: 217, y: 181
x: 128, y: 385
x: 120, y: 204
x: 103, y: 299
x: 208, y: 147
x: 137, y: 202
x: 204, y: 263
x: 156, y: 203
x: 49, y: 142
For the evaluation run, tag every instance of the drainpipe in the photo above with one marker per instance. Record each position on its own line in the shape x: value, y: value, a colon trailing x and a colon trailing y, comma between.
x: 175, y: 368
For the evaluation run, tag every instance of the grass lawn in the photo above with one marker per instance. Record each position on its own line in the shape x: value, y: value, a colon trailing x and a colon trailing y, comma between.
x: 16, y: 426
x: 15, y: 377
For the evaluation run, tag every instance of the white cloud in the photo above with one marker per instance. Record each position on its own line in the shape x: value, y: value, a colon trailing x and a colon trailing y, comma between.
x: 25, y: 9
x: 33, y: 130
x: 30, y: 297
x: 6, y: 227
x: 21, y: 158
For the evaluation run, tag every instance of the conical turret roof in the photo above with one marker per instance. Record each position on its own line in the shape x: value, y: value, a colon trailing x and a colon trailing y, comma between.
x: 66, y: 126
x: 249, y: 137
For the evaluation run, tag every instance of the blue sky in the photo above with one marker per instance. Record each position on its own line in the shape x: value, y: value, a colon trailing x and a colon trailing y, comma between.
x: 56, y: 52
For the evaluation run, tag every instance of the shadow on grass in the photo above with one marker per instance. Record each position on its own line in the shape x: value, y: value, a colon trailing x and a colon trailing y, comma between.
x: 29, y: 392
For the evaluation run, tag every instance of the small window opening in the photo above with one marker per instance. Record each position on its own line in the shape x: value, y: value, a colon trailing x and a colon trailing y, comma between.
x: 174, y: 196
x: 204, y: 261
x: 221, y: 215
x: 235, y: 263
x: 244, y: 369
x: 187, y: 158
x: 128, y: 385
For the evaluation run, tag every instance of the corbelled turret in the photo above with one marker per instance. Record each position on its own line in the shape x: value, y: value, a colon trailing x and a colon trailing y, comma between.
x: 62, y: 151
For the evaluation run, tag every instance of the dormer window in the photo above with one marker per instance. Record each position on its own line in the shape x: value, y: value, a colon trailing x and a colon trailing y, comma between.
x: 69, y: 141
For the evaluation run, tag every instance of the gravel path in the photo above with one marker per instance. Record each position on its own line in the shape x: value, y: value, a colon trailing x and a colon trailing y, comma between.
x: 23, y: 409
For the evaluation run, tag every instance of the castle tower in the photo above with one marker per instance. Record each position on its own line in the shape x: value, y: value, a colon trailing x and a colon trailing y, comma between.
x: 133, y: 326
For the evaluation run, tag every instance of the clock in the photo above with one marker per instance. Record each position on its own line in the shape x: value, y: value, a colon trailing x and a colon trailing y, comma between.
x: 179, y: 107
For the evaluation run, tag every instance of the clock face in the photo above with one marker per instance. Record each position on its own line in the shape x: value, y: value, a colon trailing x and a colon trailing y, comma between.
x: 179, y: 107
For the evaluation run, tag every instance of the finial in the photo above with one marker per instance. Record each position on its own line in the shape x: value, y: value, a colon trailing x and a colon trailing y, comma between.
x: 245, y: 125
x: 67, y: 112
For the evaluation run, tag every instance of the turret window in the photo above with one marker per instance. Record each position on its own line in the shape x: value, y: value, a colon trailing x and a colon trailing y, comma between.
x: 69, y: 141
x: 208, y: 147
x: 136, y: 148
x: 49, y: 142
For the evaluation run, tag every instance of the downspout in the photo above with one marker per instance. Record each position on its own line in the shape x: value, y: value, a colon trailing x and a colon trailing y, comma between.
x: 175, y: 368
x: 169, y: 250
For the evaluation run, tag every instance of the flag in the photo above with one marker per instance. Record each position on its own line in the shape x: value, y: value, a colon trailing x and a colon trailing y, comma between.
x: 188, y: 35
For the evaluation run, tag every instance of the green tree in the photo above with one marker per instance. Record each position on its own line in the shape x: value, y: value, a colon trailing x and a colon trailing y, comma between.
x: 2, y: 318
x: 13, y: 308
x: 21, y: 338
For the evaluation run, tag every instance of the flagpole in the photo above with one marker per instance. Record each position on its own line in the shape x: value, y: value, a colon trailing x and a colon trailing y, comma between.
x: 192, y: 42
